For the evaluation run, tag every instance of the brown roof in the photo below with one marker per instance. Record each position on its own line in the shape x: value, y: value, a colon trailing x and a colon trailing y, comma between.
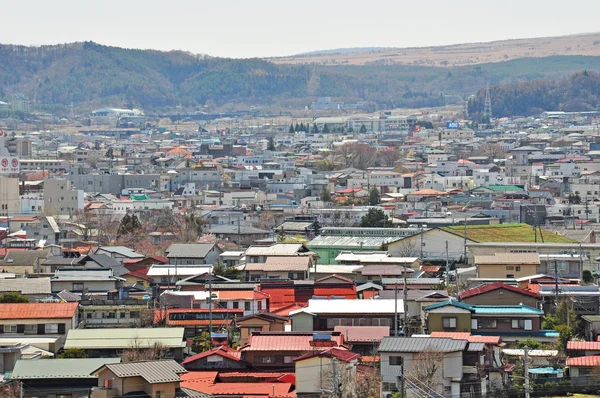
x: 508, y: 258
x: 494, y: 286
x: 165, y: 371
x: 37, y: 310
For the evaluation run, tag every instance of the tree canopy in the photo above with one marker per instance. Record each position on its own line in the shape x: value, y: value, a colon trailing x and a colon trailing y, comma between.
x: 375, y: 218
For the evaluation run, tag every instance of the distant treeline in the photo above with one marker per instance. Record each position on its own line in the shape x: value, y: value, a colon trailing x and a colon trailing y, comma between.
x: 96, y: 75
x: 576, y: 93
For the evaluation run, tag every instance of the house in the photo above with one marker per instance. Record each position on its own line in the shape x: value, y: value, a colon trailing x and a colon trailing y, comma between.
x: 23, y: 262
x: 583, y: 348
x: 364, y: 339
x: 591, y: 325
x: 193, y: 253
x: 511, y: 322
x: 277, y: 350
x: 34, y: 288
x: 195, y: 320
x: 85, y: 280
x: 49, y: 378
x: 284, y: 293
x: 279, y: 267
x: 260, y: 322
x: 314, y: 371
x: 507, y: 265
x: 104, y: 261
x: 119, y: 253
x: 251, y: 301
x: 241, y: 235
x: 445, y: 356
x: 260, y: 254
x: 499, y: 293
x: 169, y: 274
x: 135, y: 379
x: 218, y: 358
x: 99, y: 343
x: 22, y: 321
x: 582, y: 369
x: 327, y: 314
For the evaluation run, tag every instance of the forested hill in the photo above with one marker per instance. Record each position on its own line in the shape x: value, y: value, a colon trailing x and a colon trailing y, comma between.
x: 576, y: 93
x: 94, y: 75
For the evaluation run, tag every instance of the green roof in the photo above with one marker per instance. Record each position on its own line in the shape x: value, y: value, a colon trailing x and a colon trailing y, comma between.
x: 451, y: 302
x: 488, y: 309
x: 80, y: 368
x: 522, y: 233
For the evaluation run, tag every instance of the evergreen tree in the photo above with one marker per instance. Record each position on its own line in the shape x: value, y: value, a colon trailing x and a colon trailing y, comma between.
x: 130, y: 224
x: 271, y: 144
x: 325, y: 195
x: 292, y: 131
x: 374, y: 197
x: 13, y: 297
x: 363, y: 129
x: 325, y: 129
x: 110, y: 153
x: 315, y: 128
x: 375, y: 218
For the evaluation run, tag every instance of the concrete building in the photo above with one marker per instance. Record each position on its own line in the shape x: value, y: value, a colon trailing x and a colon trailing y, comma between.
x: 59, y: 198
x: 9, y: 196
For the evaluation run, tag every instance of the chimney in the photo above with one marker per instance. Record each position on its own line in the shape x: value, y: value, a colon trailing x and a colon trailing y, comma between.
x: 593, y: 236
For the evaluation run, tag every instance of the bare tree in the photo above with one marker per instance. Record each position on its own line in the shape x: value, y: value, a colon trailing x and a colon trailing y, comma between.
x: 407, y: 248
x: 364, y: 156
x: 426, y: 367
x: 343, y: 154
x: 341, y: 219
x: 492, y: 151
x: 388, y: 158
x: 84, y: 224
x: 138, y: 353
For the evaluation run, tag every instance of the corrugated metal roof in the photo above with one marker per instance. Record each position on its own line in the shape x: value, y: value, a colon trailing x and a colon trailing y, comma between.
x: 380, y: 306
x: 164, y: 371
x: 476, y: 347
x: 361, y: 242
x: 189, y: 250
x: 278, y: 249
x: 417, y: 344
x: 116, y: 338
x: 285, y: 341
x: 494, y: 286
x: 80, y: 368
x: 506, y: 310
x: 26, y: 285
x: 508, y: 258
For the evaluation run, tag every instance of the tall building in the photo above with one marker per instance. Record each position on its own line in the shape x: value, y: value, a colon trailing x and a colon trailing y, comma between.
x: 9, y: 196
x: 59, y: 198
x: 20, y: 103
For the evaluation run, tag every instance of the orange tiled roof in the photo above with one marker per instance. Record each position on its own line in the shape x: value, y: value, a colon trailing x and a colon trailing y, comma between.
x: 593, y: 360
x: 583, y: 345
x: 37, y: 310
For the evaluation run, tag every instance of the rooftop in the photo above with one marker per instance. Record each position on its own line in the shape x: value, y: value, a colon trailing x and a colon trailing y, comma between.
x: 154, y: 372
x: 495, y: 286
x: 80, y: 368
x: 286, y: 341
x: 109, y: 338
x: 37, y: 310
x: 418, y: 344
x: 522, y: 233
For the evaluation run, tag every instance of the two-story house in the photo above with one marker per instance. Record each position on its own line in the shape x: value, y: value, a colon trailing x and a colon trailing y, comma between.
x: 193, y: 253
x: 507, y: 265
x: 511, y: 322
x: 160, y: 379
x: 314, y: 372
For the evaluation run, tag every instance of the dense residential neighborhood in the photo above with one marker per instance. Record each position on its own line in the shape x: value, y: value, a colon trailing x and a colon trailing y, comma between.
x: 309, y: 258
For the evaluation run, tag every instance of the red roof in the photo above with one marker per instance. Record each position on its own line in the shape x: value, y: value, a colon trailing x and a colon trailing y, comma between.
x: 224, y: 351
x: 37, y: 310
x: 342, y: 355
x: 593, y: 360
x: 430, y: 268
x: 286, y: 309
x: 196, y: 378
x: 583, y: 345
x: 241, y: 295
x: 285, y: 341
x: 140, y: 274
x: 494, y: 286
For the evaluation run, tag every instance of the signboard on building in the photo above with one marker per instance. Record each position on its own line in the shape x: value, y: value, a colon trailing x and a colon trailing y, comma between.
x: 9, y: 164
x: 452, y: 125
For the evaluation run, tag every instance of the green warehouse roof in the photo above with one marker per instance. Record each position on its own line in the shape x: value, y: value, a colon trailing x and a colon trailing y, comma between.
x: 80, y: 368
x: 511, y: 232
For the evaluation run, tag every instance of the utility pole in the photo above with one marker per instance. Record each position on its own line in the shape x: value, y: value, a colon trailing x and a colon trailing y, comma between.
x: 396, y: 309
x: 405, y: 305
x: 403, y: 377
x: 526, y: 370
x: 210, y: 309
x: 421, y: 255
x: 465, y: 244
x: 555, y: 283
x: 335, y: 376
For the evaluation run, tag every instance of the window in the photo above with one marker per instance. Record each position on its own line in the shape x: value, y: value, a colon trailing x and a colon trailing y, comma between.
x: 235, y: 304
x: 111, y: 315
x: 518, y: 268
x: 78, y: 287
x: 89, y: 315
x: 30, y: 329
x: 525, y: 324
x: 510, y: 276
x: 288, y: 359
x: 487, y: 323
x: 396, y: 361
x: 160, y: 394
x: 389, y: 386
x: 246, y: 305
x: 50, y: 328
x: 265, y: 359
x: 10, y: 328
x: 510, y: 268
x: 134, y: 314
x: 122, y: 314
x: 259, y: 305
x: 449, y: 323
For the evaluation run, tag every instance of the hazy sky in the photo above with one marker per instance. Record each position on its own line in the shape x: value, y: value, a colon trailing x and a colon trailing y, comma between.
x: 281, y: 27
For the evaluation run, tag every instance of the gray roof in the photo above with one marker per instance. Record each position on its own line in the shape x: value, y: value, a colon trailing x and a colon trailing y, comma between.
x: 103, y: 260
x: 233, y: 229
x: 188, y: 393
x: 418, y: 344
x: 121, y: 250
x: 412, y: 281
x: 84, y: 274
x: 364, y: 242
x: 26, y: 285
x: 164, y: 371
x: 80, y: 368
x: 189, y: 250
x: 295, y: 226
x: 24, y: 257
x: 477, y: 347
x: 61, y: 261
x: 118, y: 338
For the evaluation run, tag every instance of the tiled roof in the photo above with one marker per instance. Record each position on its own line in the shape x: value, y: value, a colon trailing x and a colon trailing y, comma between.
x: 164, y: 371
x: 288, y: 341
x: 494, y: 286
x: 37, y: 310
x: 26, y: 285
x: 430, y: 268
x: 583, y: 345
x: 593, y: 360
x: 469, y: 337
x: 241, y: 295
x: 272, y: 390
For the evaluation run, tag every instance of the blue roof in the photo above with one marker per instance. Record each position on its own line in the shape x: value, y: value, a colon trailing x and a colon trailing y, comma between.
x: 488, y: 309
x: 506, y: 310
x: 451, y: 302
x: 546, y: 371
x: 541, y: 333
